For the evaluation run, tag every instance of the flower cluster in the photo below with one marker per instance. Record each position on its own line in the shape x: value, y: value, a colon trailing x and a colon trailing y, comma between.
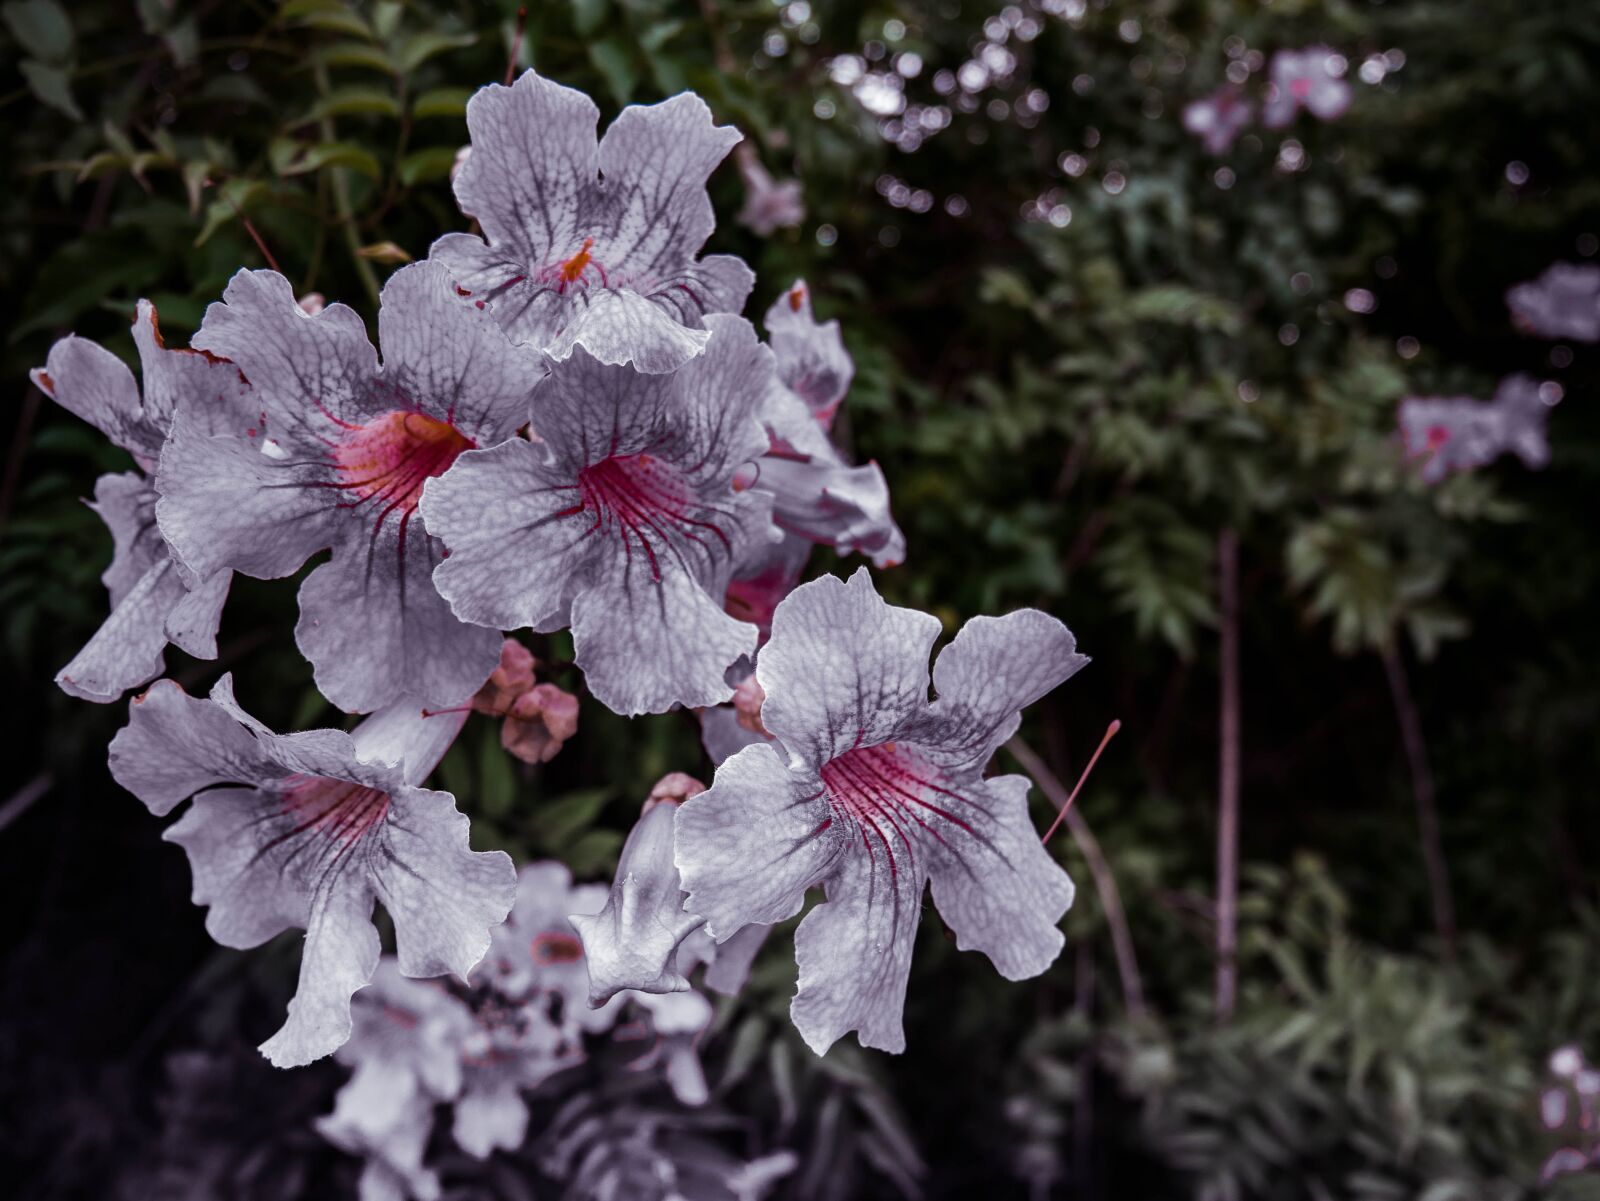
x: 564, y: 424
x: 1445, y: 434
x: 1569, y: 1107
x: 1311, y: 79
x: 1564, y: 302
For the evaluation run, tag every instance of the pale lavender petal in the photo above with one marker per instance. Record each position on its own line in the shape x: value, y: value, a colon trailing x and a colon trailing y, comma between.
x: 92, y: 383
x: 379, y: 1119
x: 533, y: 164
x: 490, y: 1119
x: 718, y: 283
x: 447, y: 357
x: 127, y: 503
x: 1563, y: 302
x: 620, y: 326
x: 812, y: 360
x: 517, y: 551
x: 854, y: 953
x: 729, y: 970
x: 992, y: 670
x: 1002, y: 894
x: 213, y: 389
x: 374, y: 627
x: 126, y: 650
x: 843, y: 669
x: 722, y: 734
x: 175, y: 744
x: 749, y: 846
x: 632, y: 943
x: 192, y: 624
x: 656, y: 160
x: 836, y: 505
x: 443, y: 896
x: 404, y: 732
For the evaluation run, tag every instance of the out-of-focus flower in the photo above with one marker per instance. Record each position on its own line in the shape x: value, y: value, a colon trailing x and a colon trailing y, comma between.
x: 1563, y: 302
x: 1444, y: 434
x: 812, y: 360
x: 312, y: 303
x: 1566, y: 1062
x: 1219, y: 118
x: 337, y: 458
x: 587, y: 243
x: 769, y: 205
x: 308, y: 830
x: 1312, y: 79
x: 622, y: 522
x: 155, y: 598
x: 881, y: 791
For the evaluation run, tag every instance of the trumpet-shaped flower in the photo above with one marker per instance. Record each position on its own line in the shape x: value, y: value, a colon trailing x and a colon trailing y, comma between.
x: 1564, y: 302
x: 621, y: 520
x: 769, y: 204
x: 881, y: 792
x: 336, y: 457
x: 1444, y: 434
x: 155, y: 599
x: 1312, y: 79
x: 1219, y: 118
x: 307, y: 830
x: 593, y: 243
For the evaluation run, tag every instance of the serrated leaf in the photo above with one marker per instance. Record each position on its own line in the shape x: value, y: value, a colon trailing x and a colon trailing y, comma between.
x: 51, y: 86
x: 425, y: 166
x: 43, y: 28
x: 442, y: 102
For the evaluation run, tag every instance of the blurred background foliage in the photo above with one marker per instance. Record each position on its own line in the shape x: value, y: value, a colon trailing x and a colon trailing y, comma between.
x: 1086, y: 348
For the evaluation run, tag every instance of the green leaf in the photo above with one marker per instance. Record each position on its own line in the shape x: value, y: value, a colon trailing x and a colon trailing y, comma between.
x: 419, y: 48
x: 425, y: 166
x: 497, y: 786
x: 299, y: 158
x: 325, y: 14
x: 352, y: 101
x: 51, y: 86
x: 614, y: 60
x: 442, y: 102
x: 43, y: 28
x: 355, y: 54
x: 233, y: 198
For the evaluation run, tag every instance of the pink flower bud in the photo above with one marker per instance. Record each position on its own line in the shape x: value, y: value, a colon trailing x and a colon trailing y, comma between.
x: 747, y: 698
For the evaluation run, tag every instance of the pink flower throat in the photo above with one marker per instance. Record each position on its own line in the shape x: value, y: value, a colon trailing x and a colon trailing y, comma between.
x: 645, y: 502
x: 885, y: 790
x: 387, y: 460
x: 336, y: 809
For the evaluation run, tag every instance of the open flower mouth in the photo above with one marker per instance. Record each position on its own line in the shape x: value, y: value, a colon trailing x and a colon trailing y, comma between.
x: 890, y: 794
x: 384, y: 463
x: 571, y: 272
x: 647, y: 503
x: 336, y: 809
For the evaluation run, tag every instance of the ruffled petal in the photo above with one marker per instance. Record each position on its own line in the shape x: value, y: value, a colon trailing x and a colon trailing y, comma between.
x: 127, y: 504
x: 618, y: 326
x: 655, y: 160
x: 447, y: 358
x: 843, y: 669
x: 405, y: 733
x: 192, y: 624
x: 175, y: 744
x: 730, y: 968
x: 1005, y: 896
x: 992, y: 670
x: 443, y: 896
x: 854, y: 953
x: 90, y: 382
x: 812, y: 360
x: 749, y: 846
x: 836, y: 505
x: 517, y: 542
x: 212, y: 389
x: 126, y: 650
x: 375, y: 628
x: 491, y: 1118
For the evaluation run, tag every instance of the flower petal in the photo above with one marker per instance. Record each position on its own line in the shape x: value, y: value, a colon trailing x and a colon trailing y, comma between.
x: 374, y: 627
x: 213, y: 389
x: 516, y: 549
x: 836, y: 505
x: 617, y: 326
x: 491, y: 1118
x: 127, y: 504
x: 90, y: 382
x: 729, y: 970
x: 812, y: 360
x: 447, y: 358
x: 854, y: 953
x: 993, y: 669
x: 126, y: 650
x: 443, y: 896
x: 1006, y: 895
x: 749, y: 846
x: 843, y: 669
x: 192, y: 623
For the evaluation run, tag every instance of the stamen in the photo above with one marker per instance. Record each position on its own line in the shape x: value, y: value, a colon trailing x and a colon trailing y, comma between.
x: 1093, y: 759
x: 571, y: 271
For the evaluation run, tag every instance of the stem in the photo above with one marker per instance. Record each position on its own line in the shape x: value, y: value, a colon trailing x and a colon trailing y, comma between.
x: 1422, y: 790
x: 341, y: 200
x: 1105, y: 882
x: 1228, y: 775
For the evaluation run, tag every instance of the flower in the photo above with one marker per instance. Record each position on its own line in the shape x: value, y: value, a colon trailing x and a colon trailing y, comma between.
x: 337, y: 458
x: 881, y: 791
x: 539, y: 723
x: 310, y: 829
x: 1219, y: 118
x: 589, y: 243
x: 621, y: 521
x: 1312, y: 79
x: 815, y: 493
x: 631, y: 943
x: 1457, y: 433
x: 155, y: 599
x: 769, y: 205
x: 1564, y: 302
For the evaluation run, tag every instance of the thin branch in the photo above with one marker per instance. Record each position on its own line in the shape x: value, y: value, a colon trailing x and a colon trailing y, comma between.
x: 1422, y: 790
x: 1105, y: 881
x: 1228, y: 775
